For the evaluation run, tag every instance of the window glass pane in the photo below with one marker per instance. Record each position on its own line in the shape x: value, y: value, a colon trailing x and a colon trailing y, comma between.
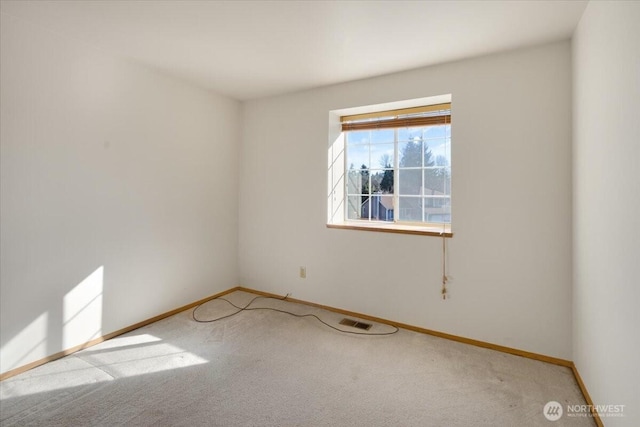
x: 365, y: 177
x: 410, y: 153
x: 429, y: 157
x: 442, y: 154
x: 437, y: 181
x: 431, y: 132
x: 376, y: 179
x: 435, y: 153
x: 357, y: 207
x: 382, y: 136
x: 382, y: 181
x: 438, y: 209
x: 447, y: 181
x: 381, y: 156
x: 381, y: 206
x: 359, y: 137
x: 357, y: 156
x: 448, y: 150
x: 410, y: 209
x: 354, y: 181
x: 434, y: 182
x: 410, y: 181
x: 409, y: 134
x: 422, y: 182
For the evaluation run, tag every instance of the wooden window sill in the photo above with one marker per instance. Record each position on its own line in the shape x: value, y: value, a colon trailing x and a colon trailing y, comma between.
x: 423, y: 230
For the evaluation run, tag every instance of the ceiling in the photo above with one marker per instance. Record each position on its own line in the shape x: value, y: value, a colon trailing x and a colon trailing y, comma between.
x: 253, y: 49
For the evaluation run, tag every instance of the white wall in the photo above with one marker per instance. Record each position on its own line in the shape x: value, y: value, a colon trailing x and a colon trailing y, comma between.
x: 119, y: 193
x: 510, y: 257
x: 606, y: 154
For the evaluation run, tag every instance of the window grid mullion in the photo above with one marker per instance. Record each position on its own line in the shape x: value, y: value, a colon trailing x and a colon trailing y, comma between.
x: 370, y: 178
x: 422, y: 151
x: 396, y: 176
x: 346, y: 178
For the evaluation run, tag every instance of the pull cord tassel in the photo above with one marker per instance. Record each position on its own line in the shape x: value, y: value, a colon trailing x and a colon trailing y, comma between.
x: 444, y: 268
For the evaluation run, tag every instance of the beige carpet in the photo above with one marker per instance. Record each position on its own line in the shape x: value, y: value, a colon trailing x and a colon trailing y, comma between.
x: 264, y: 368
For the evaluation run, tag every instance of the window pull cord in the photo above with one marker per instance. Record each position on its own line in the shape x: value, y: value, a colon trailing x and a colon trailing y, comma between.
x: 444, y: 267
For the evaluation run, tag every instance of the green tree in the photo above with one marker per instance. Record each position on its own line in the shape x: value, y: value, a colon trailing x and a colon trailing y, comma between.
x: 386, y: 182
x: 386, y: 185
x: 364, y: 175
x: 413, y: 154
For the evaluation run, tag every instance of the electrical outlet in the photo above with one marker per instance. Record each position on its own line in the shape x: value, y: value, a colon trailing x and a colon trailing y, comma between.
x: 303, y: 272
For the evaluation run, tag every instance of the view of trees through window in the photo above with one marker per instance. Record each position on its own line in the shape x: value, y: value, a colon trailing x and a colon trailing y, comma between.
x: 399, y: 174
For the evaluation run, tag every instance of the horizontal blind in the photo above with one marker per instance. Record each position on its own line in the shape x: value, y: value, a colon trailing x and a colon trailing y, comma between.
x: 428, y: 115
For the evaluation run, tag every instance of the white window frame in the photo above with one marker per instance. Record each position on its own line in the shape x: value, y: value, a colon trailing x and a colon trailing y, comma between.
x: 338, y: 169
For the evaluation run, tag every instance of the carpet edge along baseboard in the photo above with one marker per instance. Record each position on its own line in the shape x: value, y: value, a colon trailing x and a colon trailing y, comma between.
x: 477, y: 343
x: 496, y: 347
x: 13, y: 372
x: 470, y: 341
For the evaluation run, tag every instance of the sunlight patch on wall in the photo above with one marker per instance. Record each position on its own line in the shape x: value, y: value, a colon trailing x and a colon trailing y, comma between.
x: 82, y: 311
x: 335, y: 176
x: 14, y: 353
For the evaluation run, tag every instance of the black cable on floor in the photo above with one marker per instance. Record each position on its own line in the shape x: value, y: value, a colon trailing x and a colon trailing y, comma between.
x: 246, y: 308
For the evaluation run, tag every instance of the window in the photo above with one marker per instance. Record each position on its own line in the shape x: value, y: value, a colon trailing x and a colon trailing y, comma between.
x: 396, y: 171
